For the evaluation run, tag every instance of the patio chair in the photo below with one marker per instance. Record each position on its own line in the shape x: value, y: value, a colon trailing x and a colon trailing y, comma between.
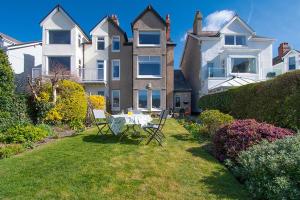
x: 101, y: 120
x: 155, y: 130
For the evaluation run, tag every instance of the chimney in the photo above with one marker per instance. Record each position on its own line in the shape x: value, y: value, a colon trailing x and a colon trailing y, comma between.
x: 115, y: 19
x: 168, y: 27
x: 197, y: 26
x: 283, y: 48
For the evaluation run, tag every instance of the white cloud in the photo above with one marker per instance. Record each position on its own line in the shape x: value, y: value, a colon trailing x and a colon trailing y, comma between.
x: 216, y: 20
x: 183, y: 38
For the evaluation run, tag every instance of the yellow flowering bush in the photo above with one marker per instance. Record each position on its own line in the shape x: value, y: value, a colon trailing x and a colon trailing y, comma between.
x: 98, y: 102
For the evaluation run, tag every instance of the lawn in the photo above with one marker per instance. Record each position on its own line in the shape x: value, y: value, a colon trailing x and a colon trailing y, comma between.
x: 88, y: 166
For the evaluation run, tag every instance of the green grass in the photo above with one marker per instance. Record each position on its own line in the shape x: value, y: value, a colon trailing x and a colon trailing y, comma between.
x: 88, y: 166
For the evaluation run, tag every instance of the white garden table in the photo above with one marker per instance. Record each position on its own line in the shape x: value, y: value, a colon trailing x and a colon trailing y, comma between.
x: 118, y: 122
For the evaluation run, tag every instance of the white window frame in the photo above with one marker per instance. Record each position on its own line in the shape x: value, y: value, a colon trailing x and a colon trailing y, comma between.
x: 234, y: 36
x: 157, y: 32
x: 48, y: 36
x: 235, y: 73
x: 101, y: 91
x: 117, y: 37
x: 47, y: 62
x: 112, y: 98
x: 112, y: 70
x: 148, y: 76
x: 152, y: 108
x: 97, y: 40
x: 104, y: 69
x: 293, y: 56
x: 35, y: 68
x: 138, y: 99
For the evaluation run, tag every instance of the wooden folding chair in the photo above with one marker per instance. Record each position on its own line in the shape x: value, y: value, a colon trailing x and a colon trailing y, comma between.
x: 101, y: 120
x: 155, y: 130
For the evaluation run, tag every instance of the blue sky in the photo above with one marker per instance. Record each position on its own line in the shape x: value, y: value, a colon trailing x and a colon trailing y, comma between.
x: 274, y: 18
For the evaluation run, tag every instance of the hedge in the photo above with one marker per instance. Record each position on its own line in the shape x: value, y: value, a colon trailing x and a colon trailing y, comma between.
x: 274, y: 101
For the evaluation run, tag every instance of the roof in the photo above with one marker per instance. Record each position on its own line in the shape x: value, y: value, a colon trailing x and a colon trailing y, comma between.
x: 58, y: 8
x: 233, y: 82
x: 149, y: 8
x: 13, y: 40
x: 24, y: 44
x: 279, y: 59
x: 180, y: 83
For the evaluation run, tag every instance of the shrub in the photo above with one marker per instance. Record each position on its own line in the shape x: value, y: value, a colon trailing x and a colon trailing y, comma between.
x: 98, y: 102
x: 8, y: 150
x: 274, y: 101
x: 271, y: 170
x: 214, y: 119
x: 6, y: 76
x: 47, y: 128
x: 23, y: 134
x: 242, y: 134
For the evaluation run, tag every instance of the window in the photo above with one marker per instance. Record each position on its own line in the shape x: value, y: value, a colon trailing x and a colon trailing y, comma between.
x: 177, y: 102
x: 156, y: 99
x: 215, y: 72
x: 100, y: 43
x: 115, y: 95
x: 100, y: 69
x: 142, y: 99
x: 101, y: 93
x: 59, y: 63
x: 292, y: 63
x: 229, y: 40
x: 115, y: 69
x: 115, y: 43
x: 36, y: 73
x: 79, y: 40
x: 59, y: 37
x: 243, y: 65
x: 235, y: 40
x: 149, y: 38
x: 149, y: 66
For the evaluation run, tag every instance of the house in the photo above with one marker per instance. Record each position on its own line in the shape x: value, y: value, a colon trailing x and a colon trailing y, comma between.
x: 6, y: 40
x: 132, y: 72
x: 232, y: 56
x: 288, y: 59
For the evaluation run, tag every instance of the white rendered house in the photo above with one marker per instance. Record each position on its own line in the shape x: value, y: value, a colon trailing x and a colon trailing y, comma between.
x: 235, y: 54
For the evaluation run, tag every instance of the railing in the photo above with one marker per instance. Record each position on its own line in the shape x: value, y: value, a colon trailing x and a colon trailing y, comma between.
x: 214, y: 72
x: 91, y: 75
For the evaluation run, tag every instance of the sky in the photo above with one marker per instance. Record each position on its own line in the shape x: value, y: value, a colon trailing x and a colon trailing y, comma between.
x: 272, y: 18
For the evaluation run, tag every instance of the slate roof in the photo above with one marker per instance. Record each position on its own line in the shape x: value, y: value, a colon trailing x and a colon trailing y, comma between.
x: 180, y: 83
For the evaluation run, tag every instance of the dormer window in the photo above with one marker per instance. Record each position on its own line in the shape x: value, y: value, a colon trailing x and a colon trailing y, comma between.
x: 59, y: 37
x: 100, y: 43
x: 149, y: 38
x: 239, y: 40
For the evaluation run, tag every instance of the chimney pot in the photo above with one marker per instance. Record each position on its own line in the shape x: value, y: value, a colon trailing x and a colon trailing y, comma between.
x: 197, y: 26
x: 168, y: 22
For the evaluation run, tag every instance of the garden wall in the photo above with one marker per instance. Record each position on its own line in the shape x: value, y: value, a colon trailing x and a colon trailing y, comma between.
x: 275, y: 101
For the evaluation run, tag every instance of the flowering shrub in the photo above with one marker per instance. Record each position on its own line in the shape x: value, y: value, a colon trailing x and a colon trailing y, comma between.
x: 242, y: 134
x: 270, y: 170
x: 214, y: 119
x: 98, y: 102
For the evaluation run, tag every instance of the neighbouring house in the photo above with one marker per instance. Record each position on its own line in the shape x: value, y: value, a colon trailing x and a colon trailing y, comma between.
x: 288, y: 59
x: 232, y: 56
x: 182, y: 93
x: 135, y: 72
x: 6, y: 40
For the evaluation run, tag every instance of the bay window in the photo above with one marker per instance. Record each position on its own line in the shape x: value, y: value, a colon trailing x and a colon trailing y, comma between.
x: 142, y: 99
x: 149, y: 66
x: 59, y: 37
x: 243, y: 65
x: 149, y: 38
x: 156, y: 99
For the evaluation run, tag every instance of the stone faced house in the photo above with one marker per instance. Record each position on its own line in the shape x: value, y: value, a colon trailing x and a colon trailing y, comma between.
x: 132, y: 73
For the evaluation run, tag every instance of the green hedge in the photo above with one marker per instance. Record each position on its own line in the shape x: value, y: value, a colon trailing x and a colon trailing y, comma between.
x: 274, y: 101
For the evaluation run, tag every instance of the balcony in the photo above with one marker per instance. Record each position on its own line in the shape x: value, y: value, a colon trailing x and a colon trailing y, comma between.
x: 95, y: 75
x: 216, y: 72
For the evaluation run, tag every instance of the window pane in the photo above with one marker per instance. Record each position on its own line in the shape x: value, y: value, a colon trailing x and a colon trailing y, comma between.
x: 149, y: 38
x: 177, y: 102
x: 100, y: 70
x: 116, y: 99
x: 142, y: 98
x: 292, y: 63
x: 229, y: 40
x: 116, y: 43
x: 59, y: 64
x: 101, y: 93
x: 156, y: 99
x: 149, y: 69
x: 100, y: 43
x: 243, y: 65
x: 59, y: 37
x: 116, y: 69
x: 240, y: 40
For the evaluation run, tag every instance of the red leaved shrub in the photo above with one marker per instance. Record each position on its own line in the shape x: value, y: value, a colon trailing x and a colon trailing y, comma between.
x: 242, y: 134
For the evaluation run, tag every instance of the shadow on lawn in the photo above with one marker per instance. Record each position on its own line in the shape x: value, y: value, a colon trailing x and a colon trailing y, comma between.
x: 110, y: 139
